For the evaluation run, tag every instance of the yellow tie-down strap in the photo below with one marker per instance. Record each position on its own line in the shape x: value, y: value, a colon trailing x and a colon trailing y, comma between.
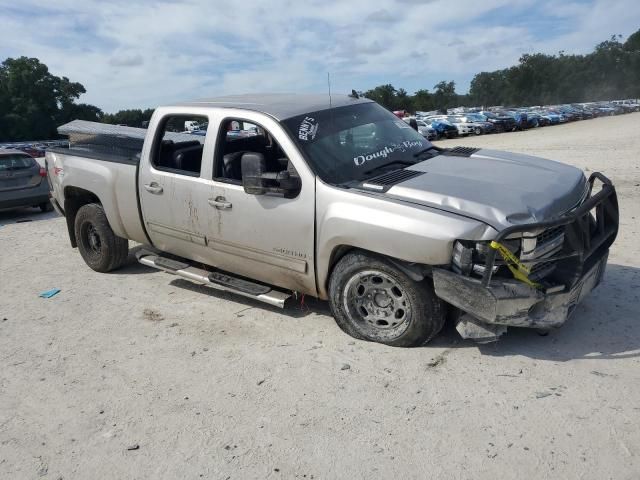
x: 518, y: 269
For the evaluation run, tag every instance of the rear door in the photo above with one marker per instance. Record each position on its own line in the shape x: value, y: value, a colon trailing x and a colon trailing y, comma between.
x: 18, y: 171
x: 173, y: 186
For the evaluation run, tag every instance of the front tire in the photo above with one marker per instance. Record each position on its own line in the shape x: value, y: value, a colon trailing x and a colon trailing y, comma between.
x: 100, y: 248
x: 371, y: 299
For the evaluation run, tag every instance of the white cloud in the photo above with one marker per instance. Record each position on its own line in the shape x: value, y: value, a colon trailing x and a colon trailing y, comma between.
x: 139, y: 54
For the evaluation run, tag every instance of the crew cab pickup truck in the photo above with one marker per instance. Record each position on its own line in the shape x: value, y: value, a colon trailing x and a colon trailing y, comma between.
x: 342, y: 201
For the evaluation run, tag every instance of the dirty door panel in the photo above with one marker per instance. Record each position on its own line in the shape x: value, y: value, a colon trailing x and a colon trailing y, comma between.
x: 172, y: 194
x: 264, y: 237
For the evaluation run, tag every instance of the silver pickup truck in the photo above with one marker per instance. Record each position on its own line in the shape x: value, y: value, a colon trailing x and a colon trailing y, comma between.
x: 272, y: 196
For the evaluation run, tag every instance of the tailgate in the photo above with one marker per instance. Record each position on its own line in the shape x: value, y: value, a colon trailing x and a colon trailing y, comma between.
x: 54, y: 165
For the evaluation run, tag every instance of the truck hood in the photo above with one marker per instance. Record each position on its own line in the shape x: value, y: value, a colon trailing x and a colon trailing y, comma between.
x: 498, y: 188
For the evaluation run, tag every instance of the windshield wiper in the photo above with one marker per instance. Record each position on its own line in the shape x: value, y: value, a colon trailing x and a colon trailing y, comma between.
x: 381, y: 167
x: 422, y: 152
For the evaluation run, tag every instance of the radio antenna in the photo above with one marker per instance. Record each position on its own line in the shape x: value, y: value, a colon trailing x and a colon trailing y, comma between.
x: 329, y: 85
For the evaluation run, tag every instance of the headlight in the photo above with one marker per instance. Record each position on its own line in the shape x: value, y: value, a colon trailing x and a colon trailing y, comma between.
x: 462, y: 258
x: 470, y: 257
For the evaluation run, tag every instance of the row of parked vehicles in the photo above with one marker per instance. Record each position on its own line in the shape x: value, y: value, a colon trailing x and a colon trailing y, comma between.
x: 464, y: 121
x: 34, y: 149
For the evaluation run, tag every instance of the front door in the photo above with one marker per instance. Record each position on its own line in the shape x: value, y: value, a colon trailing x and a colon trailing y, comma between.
x: 265, y: 237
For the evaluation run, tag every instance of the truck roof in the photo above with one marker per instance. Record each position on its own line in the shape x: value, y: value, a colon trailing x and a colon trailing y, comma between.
x: 279, y: 105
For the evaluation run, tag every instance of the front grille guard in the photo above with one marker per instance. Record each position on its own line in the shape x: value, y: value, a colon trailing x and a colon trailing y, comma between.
x: 585, y: 239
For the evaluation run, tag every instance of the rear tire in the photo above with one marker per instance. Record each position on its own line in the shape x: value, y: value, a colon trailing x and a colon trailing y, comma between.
x: 46, y: 207
x: 100, y: 248
x: 371, y: 299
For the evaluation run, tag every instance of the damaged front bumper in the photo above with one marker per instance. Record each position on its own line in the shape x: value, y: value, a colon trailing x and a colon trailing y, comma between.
x: 510, y: 303
x: 491, y: 303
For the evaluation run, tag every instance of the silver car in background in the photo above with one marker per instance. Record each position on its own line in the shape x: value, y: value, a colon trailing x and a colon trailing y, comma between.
x: 424, y: 129
x: 22, y: 181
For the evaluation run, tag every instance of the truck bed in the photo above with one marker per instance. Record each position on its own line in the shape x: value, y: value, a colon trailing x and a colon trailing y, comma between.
x: 111, y: 143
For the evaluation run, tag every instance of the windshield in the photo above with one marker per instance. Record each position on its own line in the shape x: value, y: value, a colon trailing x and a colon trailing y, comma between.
x: 355, y: 142
x: 476, y: 118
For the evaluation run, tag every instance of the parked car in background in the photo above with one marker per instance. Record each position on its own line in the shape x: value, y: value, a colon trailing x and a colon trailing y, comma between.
x: 545, y: 118
x: 536, y: 119
x: 481, y: 121
x: 522, y: 119
x: 629, y: 105
x: 424, y: 128
x: 556, y: 116
x: 502, y: 123
x: 464, y: 127
x: 22, y: 181
x: 568, y: 112
x: 442, y: 127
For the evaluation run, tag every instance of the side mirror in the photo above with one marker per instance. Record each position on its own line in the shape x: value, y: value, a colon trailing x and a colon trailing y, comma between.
x: 258, y: 182
x: 253, y: 166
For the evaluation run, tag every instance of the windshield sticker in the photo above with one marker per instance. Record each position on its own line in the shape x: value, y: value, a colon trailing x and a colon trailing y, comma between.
x: 308, y: 129
x: 386, y: 151
x: 402, y: 124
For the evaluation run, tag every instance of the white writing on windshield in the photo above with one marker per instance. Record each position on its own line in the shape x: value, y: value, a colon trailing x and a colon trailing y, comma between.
x: 386, y: 151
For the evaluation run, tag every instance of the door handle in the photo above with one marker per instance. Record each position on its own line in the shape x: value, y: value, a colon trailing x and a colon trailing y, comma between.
x: 153, y: 187
x: 220, y: 203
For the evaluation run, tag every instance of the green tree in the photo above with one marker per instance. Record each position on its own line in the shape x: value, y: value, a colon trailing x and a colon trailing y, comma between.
x: 423, y: 101
x: 444, y: 95
x: 611, y: 71
x: 33, y: 102
x: 403, y: 101
x: 131, y: 118
x: 385, y: 95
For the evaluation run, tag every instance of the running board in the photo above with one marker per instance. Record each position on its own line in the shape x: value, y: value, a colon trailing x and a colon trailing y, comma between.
x: 217, y: 280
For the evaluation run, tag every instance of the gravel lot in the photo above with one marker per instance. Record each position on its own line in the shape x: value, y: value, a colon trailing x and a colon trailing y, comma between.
x: 137, y: 374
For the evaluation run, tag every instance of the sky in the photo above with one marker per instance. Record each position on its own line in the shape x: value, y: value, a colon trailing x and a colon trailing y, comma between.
x: 139, y: 54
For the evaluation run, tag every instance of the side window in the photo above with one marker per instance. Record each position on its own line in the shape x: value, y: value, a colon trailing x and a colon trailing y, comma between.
x: 238, y: 137
x: 179, y: 148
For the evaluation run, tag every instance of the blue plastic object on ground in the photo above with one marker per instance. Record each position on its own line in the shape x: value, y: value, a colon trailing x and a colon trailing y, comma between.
x: 50, y: 293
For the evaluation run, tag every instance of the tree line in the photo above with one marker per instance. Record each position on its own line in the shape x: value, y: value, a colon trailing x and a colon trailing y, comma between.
x: 611, y: 71
x: 34, y: 102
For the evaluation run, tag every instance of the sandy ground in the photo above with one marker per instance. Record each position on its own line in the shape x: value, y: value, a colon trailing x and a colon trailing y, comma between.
x: 138, y: 375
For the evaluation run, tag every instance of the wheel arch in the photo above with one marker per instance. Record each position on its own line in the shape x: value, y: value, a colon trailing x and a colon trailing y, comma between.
x: 74, y: 199
x: 415, y: 271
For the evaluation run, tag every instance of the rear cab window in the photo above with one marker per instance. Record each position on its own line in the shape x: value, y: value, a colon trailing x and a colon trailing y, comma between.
x: 180, y: 143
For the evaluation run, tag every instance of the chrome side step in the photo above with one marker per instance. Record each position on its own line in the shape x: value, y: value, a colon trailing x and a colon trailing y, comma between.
x: 217, y: 280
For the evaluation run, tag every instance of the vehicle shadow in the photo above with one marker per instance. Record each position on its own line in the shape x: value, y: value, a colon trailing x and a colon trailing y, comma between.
x: 295, y: 307
x: 605, y: 326
x: 132, y: 266
x: 29, y: 214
